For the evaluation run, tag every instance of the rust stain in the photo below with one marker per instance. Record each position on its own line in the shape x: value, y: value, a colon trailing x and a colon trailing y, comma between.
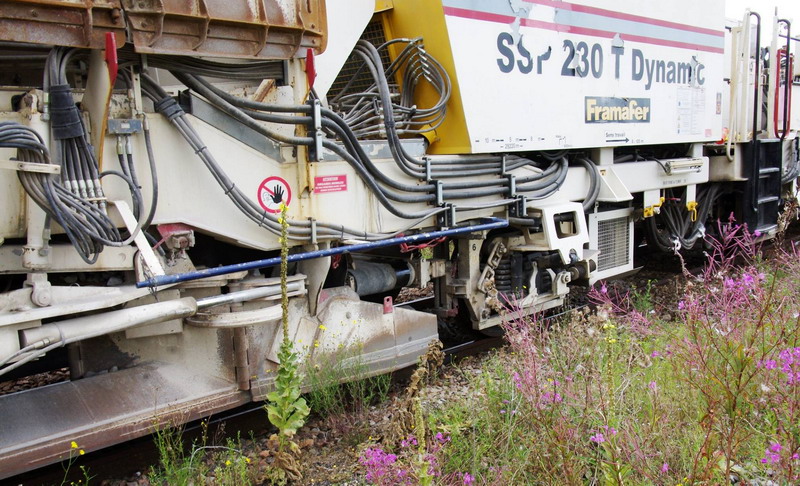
x: 266, y: 29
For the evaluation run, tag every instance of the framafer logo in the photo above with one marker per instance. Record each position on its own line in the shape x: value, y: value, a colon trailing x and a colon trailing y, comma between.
x: 617, y: 110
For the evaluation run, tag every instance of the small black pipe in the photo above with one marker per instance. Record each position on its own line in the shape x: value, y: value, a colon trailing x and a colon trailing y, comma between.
x: 756, y: 110
x: 787, y: 78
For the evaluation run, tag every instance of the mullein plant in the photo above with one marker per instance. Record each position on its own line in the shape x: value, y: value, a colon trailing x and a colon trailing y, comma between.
x: 286, y: 409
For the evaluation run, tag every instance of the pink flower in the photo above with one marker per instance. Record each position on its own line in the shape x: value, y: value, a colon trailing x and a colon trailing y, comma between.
x: 769, y: 364
x: 603, y: 288
x: 652, y: 386
x: 681, y: 305
x: 665, y: 468
x: 598, y: 437
x: 468, y: 478
x: 771, y: 455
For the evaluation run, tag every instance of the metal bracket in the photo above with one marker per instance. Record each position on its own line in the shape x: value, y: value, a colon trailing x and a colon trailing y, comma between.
x: 428, y: 169
x: 313, y: 230
x: 41, y: 295
x: 519, y: 208
x: 439, y: 187
x: 512, y: 185
x: 316, y: 131
x: 447, y: 218
x: 149, y: 256
x: 12, y: 164
x: 495, y: 255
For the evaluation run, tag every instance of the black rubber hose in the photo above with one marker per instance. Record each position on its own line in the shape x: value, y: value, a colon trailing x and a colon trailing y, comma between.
x: 594, y: 185
x: 238, y: 114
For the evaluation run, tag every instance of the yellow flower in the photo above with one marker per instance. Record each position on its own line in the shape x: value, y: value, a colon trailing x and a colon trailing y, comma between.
x: 247, y: 459
x: 228, y: 463
x: 316, y: 344
x: 81, y: 452
x: 612, y: 340
x: 322, y: 327
x: 74, y: 444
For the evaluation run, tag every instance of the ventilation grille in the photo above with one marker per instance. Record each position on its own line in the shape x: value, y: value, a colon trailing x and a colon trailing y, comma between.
x: 612, y: 241
x: 375, y: 35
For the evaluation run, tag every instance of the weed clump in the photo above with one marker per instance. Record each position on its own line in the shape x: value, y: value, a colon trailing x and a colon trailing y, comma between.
x: 618, y: 396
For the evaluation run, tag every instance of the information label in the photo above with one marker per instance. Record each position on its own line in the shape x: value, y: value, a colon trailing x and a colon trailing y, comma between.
x: 334, y: 183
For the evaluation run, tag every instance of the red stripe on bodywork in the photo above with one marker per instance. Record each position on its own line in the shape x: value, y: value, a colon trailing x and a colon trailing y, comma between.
x: 623, y: 16
x: 539, y: 24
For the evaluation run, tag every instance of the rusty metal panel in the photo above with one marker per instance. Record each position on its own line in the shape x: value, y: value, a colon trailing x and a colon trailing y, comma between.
x: 76, y: 23
x: 264, y: 29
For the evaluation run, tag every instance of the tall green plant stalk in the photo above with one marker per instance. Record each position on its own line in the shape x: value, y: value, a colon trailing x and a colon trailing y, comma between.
x: 286, y: 410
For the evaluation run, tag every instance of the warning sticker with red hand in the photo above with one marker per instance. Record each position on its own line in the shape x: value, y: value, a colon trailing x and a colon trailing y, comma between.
x: 272, y: 192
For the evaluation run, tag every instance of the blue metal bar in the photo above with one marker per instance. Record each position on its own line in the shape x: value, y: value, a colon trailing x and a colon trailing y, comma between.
x: 494, y: 223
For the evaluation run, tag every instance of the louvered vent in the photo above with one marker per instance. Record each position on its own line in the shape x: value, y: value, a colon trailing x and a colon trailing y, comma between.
x: 610, y: 232
x: 375, y: 35
x: 612, y: 241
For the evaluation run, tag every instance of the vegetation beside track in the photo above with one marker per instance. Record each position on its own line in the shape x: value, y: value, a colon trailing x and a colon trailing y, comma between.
x: 709, y: 394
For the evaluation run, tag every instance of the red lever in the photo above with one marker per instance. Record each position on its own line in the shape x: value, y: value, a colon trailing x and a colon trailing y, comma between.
x: 111, y: 56
x: 311, y: 72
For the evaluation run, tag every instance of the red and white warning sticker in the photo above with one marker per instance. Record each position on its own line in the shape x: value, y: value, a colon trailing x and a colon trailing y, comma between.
x: 334, y: 183
x: 272, y: 192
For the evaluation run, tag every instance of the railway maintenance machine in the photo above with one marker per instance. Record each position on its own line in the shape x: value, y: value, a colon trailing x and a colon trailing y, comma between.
x: 499, y: 152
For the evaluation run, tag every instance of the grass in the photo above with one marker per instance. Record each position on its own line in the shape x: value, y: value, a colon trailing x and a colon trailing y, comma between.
x: 617, y: 396
x: 225, y: 464
x: 340, y: 383
x: 610, y: 397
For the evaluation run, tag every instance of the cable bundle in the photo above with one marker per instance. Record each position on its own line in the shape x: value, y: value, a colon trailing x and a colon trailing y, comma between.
x: 681, y: 230
x: 547, y: 172
x: 76, y: 200
x: 361, y: 111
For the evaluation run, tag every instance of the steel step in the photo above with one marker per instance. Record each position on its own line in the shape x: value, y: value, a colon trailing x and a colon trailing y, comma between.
x: 767, y: 200
x: 39, y: 425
